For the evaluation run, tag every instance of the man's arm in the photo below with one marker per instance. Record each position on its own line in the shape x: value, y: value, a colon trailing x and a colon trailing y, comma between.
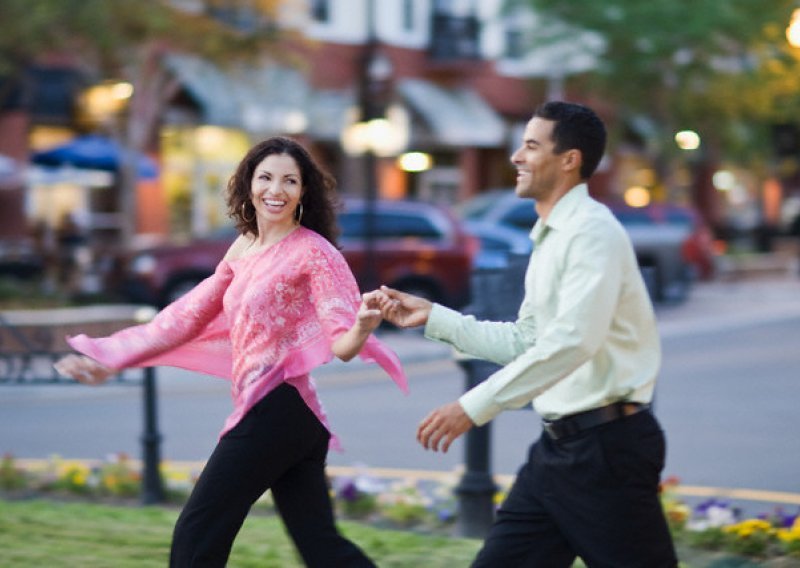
x: 586, y: 292
x: 499, y: 342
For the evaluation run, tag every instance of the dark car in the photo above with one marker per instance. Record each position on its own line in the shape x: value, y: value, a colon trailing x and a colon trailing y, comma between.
x: 498, y: 244
x: 417, y: 247
x: 672, y: 245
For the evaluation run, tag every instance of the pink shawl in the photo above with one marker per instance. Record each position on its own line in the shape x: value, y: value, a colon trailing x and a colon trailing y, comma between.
x: 258, y: 321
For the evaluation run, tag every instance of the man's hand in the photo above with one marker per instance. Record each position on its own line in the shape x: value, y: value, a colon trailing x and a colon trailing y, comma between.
x: 403, y: 310
x: 84, y: 369
x: 443, y: 426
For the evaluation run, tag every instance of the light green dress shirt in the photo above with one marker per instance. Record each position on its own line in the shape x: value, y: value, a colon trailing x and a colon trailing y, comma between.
x: 586, y: 333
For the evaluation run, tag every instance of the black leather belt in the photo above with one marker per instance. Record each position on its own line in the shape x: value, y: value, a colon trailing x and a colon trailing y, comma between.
x: 577, y: 423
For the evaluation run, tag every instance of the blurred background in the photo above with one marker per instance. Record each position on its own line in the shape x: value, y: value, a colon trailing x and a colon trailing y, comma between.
x: 121, y: 122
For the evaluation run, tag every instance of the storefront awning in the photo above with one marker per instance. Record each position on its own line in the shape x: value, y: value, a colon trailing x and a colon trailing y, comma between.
x: 455, y: 117
x: 278, y: 100
x: 265, y: 100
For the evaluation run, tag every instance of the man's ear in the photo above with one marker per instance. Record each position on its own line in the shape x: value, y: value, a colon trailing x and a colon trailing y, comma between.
x: 572, y: 160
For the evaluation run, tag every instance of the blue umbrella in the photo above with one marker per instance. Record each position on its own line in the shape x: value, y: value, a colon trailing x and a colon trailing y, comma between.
x: 93, y: 152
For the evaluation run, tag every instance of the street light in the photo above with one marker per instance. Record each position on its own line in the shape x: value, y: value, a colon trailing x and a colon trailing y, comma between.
x: 687, y: 140
x: 100, y: 104
x: 376, y: 129
x: 793, y: 29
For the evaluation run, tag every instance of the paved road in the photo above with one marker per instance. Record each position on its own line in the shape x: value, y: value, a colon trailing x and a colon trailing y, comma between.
x: 727, y: 398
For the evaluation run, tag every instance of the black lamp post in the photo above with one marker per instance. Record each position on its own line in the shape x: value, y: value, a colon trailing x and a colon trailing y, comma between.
x: 373, y: 92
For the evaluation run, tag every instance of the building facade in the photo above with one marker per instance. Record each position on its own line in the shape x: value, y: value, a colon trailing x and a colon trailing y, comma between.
x: 363, y: 83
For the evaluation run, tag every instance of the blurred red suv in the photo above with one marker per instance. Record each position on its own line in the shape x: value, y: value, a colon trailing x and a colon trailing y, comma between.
x: 417, y: 247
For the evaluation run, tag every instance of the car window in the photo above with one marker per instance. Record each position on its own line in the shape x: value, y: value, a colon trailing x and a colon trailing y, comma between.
x: 477, y: 207
x: 680, y: 218
x: 633, y: 217
x: 521, y: 216
x: 490, y: 243
x: 389, y: 225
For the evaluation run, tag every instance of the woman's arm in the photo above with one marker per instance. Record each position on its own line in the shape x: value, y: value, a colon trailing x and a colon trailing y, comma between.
x: 349, y: 344
x: 178, y: 324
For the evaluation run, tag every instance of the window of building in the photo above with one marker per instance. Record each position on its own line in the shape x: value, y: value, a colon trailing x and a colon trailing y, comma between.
x: 515, y: 43
x: 460, y: 8
x: 408, y: 15
x: 455, y: 30
x: 321, y: 10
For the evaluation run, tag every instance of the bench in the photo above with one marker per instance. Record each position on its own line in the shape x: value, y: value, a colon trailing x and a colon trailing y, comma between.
x: 32, y: 340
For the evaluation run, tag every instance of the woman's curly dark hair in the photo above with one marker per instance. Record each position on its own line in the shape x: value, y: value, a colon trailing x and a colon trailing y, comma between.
x: 319, y: 199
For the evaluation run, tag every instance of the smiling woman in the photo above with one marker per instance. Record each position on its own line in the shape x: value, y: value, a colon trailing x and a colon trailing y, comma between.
x: 282, y: 302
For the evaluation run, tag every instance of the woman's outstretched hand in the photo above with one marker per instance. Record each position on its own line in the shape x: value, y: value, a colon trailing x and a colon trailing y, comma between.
x: 369, y: 312
x: 84, y: 369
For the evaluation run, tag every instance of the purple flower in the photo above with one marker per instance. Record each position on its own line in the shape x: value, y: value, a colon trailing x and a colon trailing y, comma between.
x: 703, y: 507
x: 349, y: 492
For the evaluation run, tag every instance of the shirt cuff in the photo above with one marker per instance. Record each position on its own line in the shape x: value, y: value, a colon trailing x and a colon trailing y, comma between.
x: 479, y: 405
x: 442, y: 323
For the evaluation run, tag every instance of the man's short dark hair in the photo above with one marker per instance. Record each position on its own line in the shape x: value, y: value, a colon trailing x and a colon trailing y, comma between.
x: 576, y: 127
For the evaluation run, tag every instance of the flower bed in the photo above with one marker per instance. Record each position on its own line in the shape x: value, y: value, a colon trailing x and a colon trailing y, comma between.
x: 717, y: 526
x: 423, y: 505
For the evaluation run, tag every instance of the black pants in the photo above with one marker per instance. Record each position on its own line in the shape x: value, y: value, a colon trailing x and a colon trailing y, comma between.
x: 593, y: 495
x: 280, y: 445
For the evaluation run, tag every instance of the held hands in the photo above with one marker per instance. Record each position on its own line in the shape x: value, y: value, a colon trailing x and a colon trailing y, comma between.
x: 369, y: 312
x: 401, y: 309
x: 368, y: 318
x: 443, y: 426
x: 83, y: 369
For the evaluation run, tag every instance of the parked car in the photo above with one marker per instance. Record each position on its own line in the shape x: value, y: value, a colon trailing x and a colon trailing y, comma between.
x: 672, y: 246
x: 498, y: 244
x: 417, y: 247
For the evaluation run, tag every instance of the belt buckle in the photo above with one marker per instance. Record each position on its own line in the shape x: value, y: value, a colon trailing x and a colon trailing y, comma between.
x: 551, y: 429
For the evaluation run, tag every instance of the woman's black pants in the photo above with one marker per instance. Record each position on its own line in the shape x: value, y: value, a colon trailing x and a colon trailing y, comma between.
x: 279, y: 445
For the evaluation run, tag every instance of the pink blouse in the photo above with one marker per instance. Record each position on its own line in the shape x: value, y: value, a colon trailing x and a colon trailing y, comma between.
x: 259, y: 320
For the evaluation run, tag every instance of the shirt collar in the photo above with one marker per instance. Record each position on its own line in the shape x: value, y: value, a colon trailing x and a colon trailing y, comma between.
x: 561, y: 213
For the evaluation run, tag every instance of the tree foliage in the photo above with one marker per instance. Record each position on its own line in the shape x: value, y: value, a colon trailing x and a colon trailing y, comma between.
x: 126, y: 40
x: 721, y: 67
x: 108, y: 35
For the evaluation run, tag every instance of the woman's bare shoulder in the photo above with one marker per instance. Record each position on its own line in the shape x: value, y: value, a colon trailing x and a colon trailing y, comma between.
x: 238, y: 247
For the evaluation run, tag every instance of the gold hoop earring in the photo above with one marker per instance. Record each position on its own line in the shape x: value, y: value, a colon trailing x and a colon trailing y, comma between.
x: 244, y: 217
x: 298, y: 215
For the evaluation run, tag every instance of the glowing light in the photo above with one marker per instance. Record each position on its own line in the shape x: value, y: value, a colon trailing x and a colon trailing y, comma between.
x: 415, y: 161
x: 637, y: 196
x: 724, y: 180
x: 383, y: 136
x: 793, y: 29
x: 687, y: 140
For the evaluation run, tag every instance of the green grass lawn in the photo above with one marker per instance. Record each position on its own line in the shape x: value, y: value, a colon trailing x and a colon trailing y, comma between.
x: 54, y: 534
x: 51, y: 534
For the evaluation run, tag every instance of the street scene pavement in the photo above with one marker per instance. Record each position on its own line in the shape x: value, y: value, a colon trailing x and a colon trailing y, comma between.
x: 726, y: 398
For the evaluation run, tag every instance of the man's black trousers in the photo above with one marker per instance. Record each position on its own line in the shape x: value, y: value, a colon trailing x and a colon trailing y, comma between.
x: 593, y: 495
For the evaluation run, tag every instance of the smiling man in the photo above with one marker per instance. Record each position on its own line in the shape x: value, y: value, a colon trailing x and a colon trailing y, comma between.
x: 585, y: 350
